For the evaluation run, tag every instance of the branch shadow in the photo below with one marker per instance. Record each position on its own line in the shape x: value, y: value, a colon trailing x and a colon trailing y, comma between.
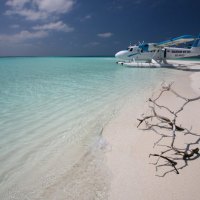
x: 175, y: 157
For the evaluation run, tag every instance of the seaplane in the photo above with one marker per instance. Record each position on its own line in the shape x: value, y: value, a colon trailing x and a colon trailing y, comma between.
x: 157, y: 54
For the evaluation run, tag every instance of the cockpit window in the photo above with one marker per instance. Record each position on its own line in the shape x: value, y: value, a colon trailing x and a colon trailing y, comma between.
x: 130, y: 49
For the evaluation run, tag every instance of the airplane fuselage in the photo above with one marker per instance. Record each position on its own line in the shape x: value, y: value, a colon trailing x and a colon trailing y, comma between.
x: 134, y: 53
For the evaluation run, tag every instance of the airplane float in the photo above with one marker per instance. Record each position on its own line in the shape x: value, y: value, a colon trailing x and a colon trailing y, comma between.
x: 157, y: 54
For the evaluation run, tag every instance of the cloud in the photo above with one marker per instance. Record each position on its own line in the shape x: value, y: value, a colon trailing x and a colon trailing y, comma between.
x: 138, y: 1
x: 58, y: 6
x: 91, y: 44
x: 14, y: 26
x: 38, y: 9
x: 123, y: 4
x: 16, y: 3
x: 86, y: 18
x: 105, y: 35
x: 23, y: 36
x: 34, y: 10
x: 28, y: 14
x: 56, y: 26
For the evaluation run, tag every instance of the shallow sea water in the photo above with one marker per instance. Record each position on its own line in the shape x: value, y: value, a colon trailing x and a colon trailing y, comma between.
x: 52, y: 113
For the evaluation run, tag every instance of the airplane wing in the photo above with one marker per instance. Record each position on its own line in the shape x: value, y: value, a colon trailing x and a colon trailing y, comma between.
x: 176, y: 41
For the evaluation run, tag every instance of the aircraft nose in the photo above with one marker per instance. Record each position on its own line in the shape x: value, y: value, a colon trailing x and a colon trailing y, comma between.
x: 120, y: 54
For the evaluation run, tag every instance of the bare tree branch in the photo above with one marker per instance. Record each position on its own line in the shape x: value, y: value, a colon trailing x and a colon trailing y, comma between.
x: 172, y: 155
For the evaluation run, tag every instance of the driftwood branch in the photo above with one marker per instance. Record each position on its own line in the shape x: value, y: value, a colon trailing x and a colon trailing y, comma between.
x: 172, y: 155
x: 173, y: 163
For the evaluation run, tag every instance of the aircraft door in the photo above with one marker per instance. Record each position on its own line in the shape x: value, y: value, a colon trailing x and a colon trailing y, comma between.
x: 165, y: 53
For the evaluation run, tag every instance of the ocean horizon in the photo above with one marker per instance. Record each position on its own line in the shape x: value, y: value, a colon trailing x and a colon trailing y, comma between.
x: 52, y: 113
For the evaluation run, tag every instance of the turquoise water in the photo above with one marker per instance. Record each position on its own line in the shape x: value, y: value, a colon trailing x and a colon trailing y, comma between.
x: 52, y: 112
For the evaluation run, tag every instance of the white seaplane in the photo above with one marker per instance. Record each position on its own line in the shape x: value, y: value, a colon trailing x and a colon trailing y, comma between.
x: 157, y: 54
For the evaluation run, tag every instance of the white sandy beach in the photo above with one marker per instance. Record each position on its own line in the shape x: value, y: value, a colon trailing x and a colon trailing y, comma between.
x: 127, y: 155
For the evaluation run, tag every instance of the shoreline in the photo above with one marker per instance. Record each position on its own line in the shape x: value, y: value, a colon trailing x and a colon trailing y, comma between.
x: 132, y: 175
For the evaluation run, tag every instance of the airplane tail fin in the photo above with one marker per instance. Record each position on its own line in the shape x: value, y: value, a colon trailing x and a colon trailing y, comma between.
x: 195, y: 50
x: 196, y: 42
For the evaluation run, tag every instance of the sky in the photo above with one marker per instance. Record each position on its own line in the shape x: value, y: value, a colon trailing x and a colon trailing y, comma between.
x: 91, y: 27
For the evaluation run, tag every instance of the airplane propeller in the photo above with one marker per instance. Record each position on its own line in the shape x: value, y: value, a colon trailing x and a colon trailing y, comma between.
x: 140, y: 43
